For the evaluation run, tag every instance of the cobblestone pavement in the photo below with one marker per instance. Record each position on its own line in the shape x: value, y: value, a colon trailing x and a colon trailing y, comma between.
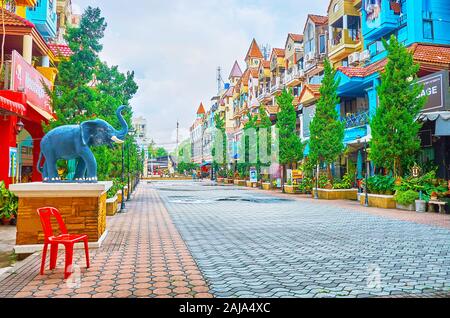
x: 143, y: 256
x: 249, y: 243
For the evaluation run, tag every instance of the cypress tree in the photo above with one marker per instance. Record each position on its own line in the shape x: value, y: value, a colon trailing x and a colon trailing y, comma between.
x: 395, y: 140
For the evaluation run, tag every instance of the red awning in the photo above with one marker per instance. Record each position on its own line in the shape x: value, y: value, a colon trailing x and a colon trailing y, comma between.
x: 11, y: 107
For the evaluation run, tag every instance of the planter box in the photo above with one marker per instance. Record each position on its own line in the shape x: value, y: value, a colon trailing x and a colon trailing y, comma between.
x: 125, y: 192
x: 111, y: 206
x: 379, y: 200
x: 228, y: 181
x: 241, y: 183
x: 411, y: 207
x: 220, y: 180
x: 291, y: 189
x: 119, y: 196
x: 251, y: 184
x: 236, y: 181
x: 266, y: 186
x: 337, y: 194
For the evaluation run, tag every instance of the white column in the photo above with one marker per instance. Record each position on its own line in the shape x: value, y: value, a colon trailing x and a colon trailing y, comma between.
x: 45, y: 61
x: 27, y: 51
x: 345, y: 22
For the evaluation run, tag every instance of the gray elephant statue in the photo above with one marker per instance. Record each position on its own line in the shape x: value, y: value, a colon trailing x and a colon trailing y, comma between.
x: 73, y: 142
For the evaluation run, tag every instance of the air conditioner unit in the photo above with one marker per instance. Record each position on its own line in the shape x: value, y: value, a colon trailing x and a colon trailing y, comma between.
x: 353, y: 58
x: 309, y: 56
x: 364, y: 56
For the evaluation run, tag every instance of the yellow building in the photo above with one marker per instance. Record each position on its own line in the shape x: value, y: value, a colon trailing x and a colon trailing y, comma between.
x: 344, y: 23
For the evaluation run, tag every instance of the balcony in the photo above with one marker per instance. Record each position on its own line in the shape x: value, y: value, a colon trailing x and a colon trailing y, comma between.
x: 381, y: 19
x: 43, y: 15
x: 294, y: 77
x: 26, y: 3
x: 359, y: 119
x: 276, y: 86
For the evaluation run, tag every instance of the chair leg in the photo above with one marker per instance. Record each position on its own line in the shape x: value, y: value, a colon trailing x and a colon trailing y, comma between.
x: 68, y: 269
x: 44, y: 256
x: 86, y: 251
x: 53, y: 255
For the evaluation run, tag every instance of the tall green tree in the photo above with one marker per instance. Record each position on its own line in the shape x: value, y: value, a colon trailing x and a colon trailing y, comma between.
x: 220, y: 143
x: 327, y: 130
x: 290, y: 145
x: 395, y: 140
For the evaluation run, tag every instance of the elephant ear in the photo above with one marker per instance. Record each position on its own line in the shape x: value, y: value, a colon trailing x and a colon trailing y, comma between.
x: 88, y: 129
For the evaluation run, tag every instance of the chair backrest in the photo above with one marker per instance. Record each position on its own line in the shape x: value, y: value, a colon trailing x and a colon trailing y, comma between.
x: 45, y: 215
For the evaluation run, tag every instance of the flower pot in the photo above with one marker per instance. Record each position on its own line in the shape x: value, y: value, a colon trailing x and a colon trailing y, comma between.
x: 410, y: 207
x: 6, y: 221
x: 265, y: 185
x: 421, y: 206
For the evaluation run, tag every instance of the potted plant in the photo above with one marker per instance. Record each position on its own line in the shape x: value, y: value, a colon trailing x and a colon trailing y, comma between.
x: 8, y: 205
x: 405, y: 200
x: 381, y: 189
x: 290, y: 188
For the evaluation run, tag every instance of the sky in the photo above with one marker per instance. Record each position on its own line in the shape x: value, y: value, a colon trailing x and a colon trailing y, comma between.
x: 175, y: 47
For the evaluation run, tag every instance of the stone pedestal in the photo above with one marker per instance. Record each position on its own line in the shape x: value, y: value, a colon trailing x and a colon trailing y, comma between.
x: 82, y: 207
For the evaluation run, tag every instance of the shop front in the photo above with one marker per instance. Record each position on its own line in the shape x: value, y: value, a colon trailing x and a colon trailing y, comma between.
x: 24, y: 107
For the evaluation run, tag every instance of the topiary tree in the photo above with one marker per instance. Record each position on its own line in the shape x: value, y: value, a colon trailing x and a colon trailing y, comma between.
x: 290, y: 145
x: 327, y: 131
x: 395, y: 140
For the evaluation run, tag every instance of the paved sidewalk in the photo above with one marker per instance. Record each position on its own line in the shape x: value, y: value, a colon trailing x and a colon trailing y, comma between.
x: 142, y: 256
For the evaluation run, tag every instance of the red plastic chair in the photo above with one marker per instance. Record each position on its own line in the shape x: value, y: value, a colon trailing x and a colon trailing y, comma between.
x: 68, y: 240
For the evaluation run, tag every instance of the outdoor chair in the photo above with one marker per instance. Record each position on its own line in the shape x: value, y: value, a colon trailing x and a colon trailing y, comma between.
x: 68, y: 240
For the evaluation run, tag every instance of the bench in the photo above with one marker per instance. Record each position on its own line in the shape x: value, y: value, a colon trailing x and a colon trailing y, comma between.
x: 432, y: 206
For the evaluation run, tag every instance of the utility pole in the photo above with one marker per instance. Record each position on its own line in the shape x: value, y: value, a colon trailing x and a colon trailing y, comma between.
x: 220, y: 81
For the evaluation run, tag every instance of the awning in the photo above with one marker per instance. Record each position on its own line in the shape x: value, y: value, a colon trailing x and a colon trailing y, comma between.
x: 11, y: 107
x: 41, y: 112
x: 442, y: 120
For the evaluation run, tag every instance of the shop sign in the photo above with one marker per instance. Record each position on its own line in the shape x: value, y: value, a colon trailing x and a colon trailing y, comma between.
x: 297, y: 174
x: 435, y: 86
x: 253, y: 175
x: 12, y: 162
x: 26, y: 78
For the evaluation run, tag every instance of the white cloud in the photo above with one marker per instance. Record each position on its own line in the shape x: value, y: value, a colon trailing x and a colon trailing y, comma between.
x: 175, y: 46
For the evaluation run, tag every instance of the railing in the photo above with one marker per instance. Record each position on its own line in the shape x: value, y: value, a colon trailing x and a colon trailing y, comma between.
x: 295, y: 74
x: 356, y: 119
x: 277, y: 85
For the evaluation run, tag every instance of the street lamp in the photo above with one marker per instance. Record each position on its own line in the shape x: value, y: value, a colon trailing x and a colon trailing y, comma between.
x: 316, y: 193
x: 366, y: 199
x: 122, y: 180
x: 131, y: 133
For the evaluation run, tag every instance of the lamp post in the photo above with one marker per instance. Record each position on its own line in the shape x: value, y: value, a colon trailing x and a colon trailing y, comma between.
x: 316, y: 193
x: 131, y: 132
x: 366, y: 176
x: 122, y: 179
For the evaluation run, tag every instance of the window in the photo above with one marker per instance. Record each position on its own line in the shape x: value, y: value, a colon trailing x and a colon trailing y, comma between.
x: 428, y: 29
x: 322, y: 46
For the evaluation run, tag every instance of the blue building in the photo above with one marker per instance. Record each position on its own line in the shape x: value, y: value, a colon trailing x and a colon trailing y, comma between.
x: 423, y: 26
x: 43, y: 16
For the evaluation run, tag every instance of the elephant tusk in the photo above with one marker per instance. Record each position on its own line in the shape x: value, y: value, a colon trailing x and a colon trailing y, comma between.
x: 117, y: 140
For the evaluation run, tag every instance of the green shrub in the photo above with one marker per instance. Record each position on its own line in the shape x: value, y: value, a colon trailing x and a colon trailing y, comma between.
x: 406, y: 197
x: 305, y: 186
x: 428, y: 183
x: 345, y: 183
x: 379, y: 184
x: 323, y: 181
x: 117, y: 185
x: 8, y: 202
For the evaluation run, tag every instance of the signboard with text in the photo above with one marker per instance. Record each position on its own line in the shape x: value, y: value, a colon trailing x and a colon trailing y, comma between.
x: 253, y: 175
x: 435, y: 86
x: 26, y: 78
x: 12, y: 162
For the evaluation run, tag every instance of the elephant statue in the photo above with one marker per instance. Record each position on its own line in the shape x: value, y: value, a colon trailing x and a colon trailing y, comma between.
x: 73, y: 142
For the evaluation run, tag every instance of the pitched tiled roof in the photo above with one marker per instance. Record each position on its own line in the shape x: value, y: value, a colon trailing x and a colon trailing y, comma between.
x: 254, y: 72
x: 296, y: 37
x: 314, y: 89
x: 272, y: 109
x: 254, y: 51
x: 431, y: 53
x: 318, y: 19
x: 245, y: 77
x: 235, y: 71
x: 201, y: 109
x: 12, y: 19
x: 266, y: 64
x: 279, y: 52
x: 62, y: 50
x: 363, y: 71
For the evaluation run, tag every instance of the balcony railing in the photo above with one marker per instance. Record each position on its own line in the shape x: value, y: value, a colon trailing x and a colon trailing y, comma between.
x: 276, y: 85
x: 294, y: 74
x: 345, y: 36
x: 356, y: 119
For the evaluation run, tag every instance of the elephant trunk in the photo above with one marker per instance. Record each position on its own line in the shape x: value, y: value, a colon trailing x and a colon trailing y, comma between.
x: 121, y: 134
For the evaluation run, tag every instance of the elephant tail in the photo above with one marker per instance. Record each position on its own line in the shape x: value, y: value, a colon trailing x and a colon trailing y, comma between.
x: 38, y: 166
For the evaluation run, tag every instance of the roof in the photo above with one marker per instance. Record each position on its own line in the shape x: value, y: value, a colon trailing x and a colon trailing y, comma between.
x: 314, y: 89
x: 272, y: 109
x: 363, y: 71
x: 228, y: 92
x: 60, y: 50
x: 254, y: 72
x: 246, y: 77
x: 318, y: 19
x: 296, y: 101
x: 296, y: 37
x: 254, y: 51
x: 201, y: 109
x: 279, y: 52
x: 12, y: 19
x: 235, y: 71
x: 266, y: 64
x: 430, y: 53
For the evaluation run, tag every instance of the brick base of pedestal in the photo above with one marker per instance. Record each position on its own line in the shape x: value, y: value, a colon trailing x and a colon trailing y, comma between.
x: 82, y: 207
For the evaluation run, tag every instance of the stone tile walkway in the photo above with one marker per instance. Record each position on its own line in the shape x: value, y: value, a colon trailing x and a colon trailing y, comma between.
x: 251, y: 243
x: 143, y: 256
